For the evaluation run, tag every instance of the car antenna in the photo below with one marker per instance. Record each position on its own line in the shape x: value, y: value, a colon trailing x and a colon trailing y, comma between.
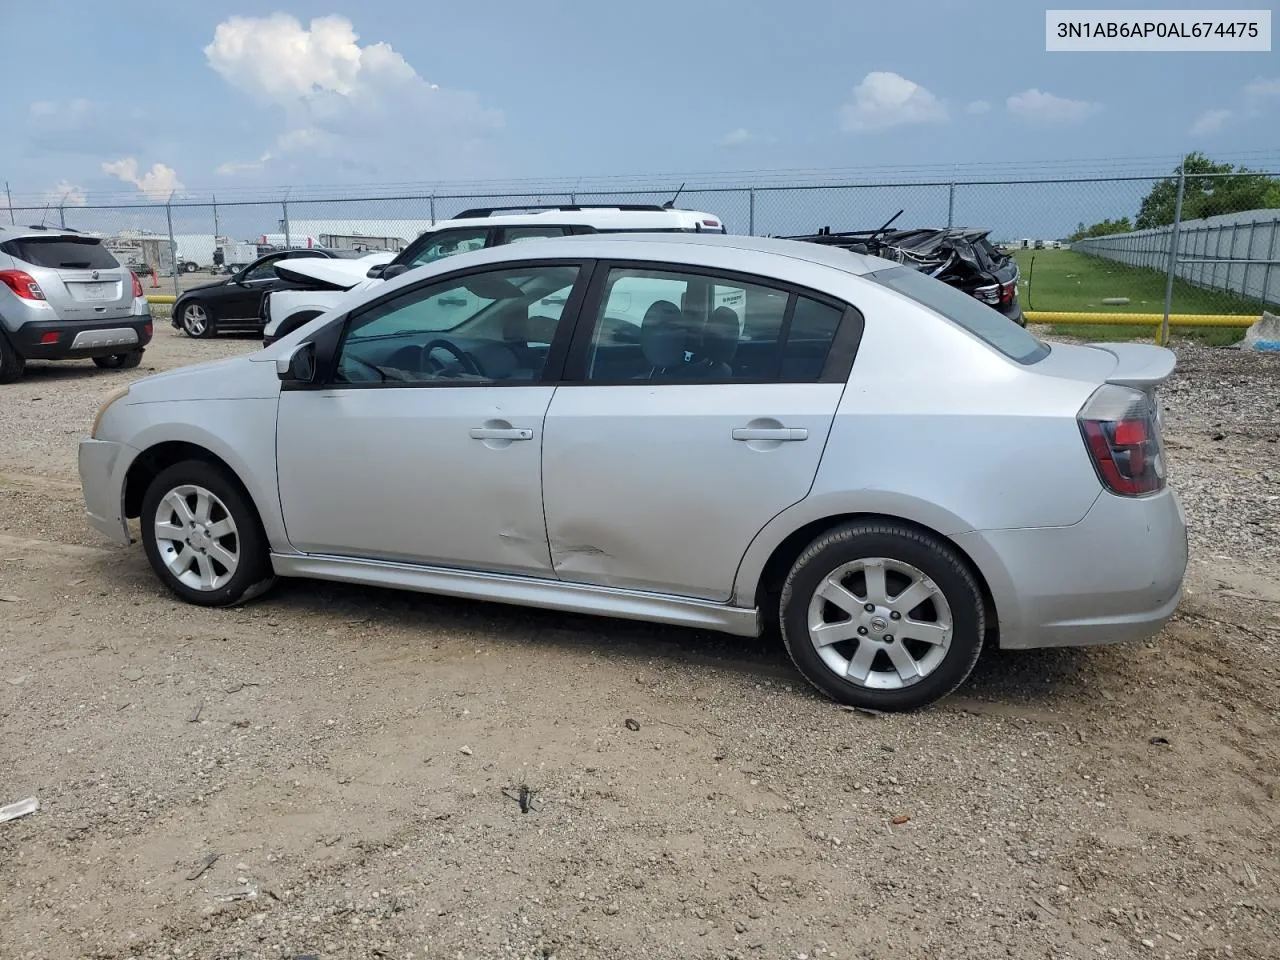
x: 44, y: 216
x: 887, y: 223
x: 672, y: 202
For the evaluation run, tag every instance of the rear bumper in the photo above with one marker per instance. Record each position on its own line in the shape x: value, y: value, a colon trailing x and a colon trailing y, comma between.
x: 103, y: 465
x: 76, y: 340
x: 1114, y: 577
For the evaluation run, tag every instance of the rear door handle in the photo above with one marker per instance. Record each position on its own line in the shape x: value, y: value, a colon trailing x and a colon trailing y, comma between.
x: 501, y: 433
x: 770, y: 433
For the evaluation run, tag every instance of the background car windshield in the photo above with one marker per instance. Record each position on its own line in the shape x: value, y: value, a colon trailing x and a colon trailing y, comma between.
x: 988, y: 325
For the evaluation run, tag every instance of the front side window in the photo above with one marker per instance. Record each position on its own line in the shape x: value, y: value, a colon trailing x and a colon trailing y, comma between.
x: 667, y: 326
x: 986, y: 323
x: 446, y: 243
x: 491, y: 327
x: 263, y: 269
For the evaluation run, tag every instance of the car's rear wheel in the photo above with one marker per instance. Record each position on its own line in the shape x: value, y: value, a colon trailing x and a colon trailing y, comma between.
x: 203, y: 536
x: 195, y: 321
x: 881, y: 615
x: 119, y: 361
x: 12, y: 363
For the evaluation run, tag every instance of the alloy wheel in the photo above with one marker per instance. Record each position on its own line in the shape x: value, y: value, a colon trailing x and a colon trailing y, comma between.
x: 196, y: 538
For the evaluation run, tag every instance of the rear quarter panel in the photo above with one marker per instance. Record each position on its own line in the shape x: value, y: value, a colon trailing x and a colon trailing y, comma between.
x: 938, y: 429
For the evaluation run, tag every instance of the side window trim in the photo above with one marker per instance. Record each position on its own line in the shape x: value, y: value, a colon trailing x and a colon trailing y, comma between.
x: 552, y: 371
x: 840, y: 356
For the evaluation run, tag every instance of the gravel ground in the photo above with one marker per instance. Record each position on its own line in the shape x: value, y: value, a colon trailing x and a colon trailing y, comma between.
x: 354, y: 758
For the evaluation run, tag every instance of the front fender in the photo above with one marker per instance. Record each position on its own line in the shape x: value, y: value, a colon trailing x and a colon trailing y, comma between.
x: 241, y: 433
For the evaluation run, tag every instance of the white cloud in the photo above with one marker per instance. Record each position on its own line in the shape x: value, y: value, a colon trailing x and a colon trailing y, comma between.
x: 1210, y: 122
x: 883, y: 100
x: 1262, y: 89
x: 158, y: 183
x: 347, y: 105
x: 736, y: 138
x: 1040, y: 107
x: 978, y: 106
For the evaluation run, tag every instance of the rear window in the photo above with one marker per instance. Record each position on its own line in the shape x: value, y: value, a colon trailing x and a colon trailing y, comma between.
x: 67, y: 253
x: 986, y: 323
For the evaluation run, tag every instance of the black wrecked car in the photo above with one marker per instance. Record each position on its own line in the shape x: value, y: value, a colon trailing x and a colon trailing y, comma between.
x: 962, y: 257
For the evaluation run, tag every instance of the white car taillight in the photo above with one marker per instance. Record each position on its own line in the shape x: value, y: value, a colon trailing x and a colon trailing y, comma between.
x: 1122, y: 433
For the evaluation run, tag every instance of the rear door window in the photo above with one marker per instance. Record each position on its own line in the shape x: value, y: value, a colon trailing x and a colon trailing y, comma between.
x: 986, y: 323
x: 62, y: 253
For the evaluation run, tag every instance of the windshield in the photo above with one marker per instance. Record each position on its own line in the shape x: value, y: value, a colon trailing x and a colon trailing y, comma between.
x: 986, y: 323
x: 60, y: 252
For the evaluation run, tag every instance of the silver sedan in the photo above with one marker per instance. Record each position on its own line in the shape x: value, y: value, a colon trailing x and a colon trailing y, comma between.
x: 742, y: 434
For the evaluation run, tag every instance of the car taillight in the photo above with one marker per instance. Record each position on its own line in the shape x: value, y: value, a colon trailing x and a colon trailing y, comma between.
x: 1006, y: 292
x: 989, y: 294
x: 137, y: 285
x: 1122, y: 433
x: 22, y: 283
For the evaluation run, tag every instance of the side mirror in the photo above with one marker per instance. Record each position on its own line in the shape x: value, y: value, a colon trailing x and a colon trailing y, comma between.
x: 374, y: 272
x: 393, y: 270
x: 298, y: 365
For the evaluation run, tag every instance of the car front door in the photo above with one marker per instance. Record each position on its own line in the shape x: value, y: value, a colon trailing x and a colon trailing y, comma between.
x: 695, y: 408
x: 423, y: 442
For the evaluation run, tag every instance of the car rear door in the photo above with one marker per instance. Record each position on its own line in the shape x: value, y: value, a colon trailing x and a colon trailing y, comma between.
x: 685, y: 423
x: 81, y: 278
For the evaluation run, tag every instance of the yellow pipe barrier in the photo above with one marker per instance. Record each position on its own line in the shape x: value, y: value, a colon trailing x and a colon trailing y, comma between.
x: 1141, y: 319
x: 161, y: 298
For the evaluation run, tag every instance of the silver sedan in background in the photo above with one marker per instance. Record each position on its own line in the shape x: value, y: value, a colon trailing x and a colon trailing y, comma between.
x: 725, y: 432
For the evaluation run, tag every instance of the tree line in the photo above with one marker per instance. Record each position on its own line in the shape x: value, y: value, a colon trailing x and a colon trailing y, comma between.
x: 1211, y: 189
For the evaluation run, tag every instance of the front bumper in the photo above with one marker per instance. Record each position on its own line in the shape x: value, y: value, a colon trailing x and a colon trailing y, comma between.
x: 1114, y: 577
x: 103, y: 465
x: 80, y: 340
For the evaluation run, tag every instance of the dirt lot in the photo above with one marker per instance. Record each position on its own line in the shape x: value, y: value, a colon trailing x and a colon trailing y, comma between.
x: 353, y: 758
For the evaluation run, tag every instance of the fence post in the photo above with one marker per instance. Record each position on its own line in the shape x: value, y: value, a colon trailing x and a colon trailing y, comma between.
x: 288, y: 239
x: 173, y: 246
x: 62, y: 216
x: 1173, y: 255
x: 1271, y: 262
x: 433, y: 209
x: 751, y: 212
x: 951, y: 204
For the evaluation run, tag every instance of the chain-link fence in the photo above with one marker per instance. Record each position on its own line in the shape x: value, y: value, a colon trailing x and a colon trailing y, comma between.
x: 1088, y: 249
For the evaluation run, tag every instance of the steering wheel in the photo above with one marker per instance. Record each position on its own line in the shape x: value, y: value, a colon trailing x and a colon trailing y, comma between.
x: 464, y: 358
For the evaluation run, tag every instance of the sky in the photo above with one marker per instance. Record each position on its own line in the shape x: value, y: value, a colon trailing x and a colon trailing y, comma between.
x: 145, y: 99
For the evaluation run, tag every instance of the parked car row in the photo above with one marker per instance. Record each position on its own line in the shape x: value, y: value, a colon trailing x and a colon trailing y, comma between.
x: 741, y: 434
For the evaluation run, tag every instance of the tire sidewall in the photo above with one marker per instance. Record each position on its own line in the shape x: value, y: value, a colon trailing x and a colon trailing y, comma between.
x: 939, y: 563
x: 208, y: 320
x: 255, y: 563
x: 12, y: 363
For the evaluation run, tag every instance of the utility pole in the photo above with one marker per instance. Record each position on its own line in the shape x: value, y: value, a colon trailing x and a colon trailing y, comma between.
x: 1173, y: 254
x: 215, y: 219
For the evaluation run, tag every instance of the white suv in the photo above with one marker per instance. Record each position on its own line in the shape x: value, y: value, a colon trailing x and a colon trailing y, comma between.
x: 325, y: 286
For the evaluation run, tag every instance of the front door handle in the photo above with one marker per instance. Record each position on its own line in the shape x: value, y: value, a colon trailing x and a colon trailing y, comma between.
x: 501, y: 433
x: 770, y: 433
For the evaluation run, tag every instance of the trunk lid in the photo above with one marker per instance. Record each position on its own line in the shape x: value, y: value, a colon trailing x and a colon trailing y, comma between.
x: 81, y: 279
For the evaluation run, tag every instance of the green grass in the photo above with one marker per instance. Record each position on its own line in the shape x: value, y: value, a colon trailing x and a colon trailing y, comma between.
x: 1066, y: 280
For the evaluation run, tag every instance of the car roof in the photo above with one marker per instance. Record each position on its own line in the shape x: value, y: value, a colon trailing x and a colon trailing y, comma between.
x: 10, y: 232
x: 624, y: 216
x: 835, y: 257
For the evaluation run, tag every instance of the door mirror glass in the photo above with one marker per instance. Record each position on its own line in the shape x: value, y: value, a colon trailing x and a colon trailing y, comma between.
x: 298, y: 365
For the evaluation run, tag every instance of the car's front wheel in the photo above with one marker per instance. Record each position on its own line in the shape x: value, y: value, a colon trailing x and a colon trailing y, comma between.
x: 881, y: 615
x: 202, y: 535
x: 195, y: 321
x: 119, y: 361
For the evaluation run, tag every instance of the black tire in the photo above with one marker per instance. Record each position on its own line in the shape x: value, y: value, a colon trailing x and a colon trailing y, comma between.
x: 119, y: 361
x: 188, y: 320
x: 12, y: 363
x: 938, y: 561
x: 253, y: 574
